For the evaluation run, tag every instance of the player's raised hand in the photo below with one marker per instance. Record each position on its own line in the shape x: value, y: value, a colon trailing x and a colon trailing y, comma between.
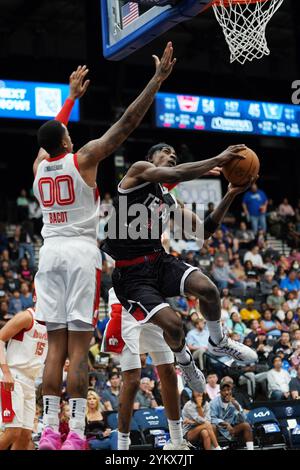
x: 78, y: 84
x: 230, y: 153
x: 164, y: 66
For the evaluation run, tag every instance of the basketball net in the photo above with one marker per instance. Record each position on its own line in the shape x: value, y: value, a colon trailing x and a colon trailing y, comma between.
x: 244, y: 25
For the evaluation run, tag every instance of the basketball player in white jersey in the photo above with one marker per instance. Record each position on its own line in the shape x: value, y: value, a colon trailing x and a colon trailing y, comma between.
x: 20, y: 363
x: 68, y: 281
x: 129, y: 338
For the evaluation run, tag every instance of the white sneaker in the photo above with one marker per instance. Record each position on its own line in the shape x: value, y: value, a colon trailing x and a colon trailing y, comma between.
x: 193, y: 376
x: 229, y: 347
x: 183, y: 446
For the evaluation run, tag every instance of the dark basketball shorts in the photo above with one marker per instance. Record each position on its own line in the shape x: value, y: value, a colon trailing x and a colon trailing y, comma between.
x: 142, y: 289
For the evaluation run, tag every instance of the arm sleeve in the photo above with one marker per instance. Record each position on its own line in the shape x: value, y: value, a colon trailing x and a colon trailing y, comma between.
x: 65, y: 112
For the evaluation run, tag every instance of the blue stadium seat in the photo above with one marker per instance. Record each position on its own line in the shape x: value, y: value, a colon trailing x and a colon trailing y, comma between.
x: 268, y: 433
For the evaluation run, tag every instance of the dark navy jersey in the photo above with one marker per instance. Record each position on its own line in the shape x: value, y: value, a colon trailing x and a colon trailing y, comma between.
x: 141, y: 216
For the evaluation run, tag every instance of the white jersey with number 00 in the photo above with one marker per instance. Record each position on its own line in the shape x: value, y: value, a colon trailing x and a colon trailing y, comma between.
x: 70, y: 207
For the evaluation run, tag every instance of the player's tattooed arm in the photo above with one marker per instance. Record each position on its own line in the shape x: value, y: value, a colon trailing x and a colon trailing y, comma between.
x: 145, y: 171
x: 96, y: 150
x: 21, y: 321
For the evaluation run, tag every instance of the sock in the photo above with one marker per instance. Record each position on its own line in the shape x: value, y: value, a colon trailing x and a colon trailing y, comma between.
x: 51, y: 411
x: 77, y: 418
x: 250, y: 445
x: 215, y: 331
x: 123, y: 440
x: 183, y: 356
x: 175, y: 429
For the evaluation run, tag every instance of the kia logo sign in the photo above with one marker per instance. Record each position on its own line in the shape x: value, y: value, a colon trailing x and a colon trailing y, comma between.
x: 262, y: 414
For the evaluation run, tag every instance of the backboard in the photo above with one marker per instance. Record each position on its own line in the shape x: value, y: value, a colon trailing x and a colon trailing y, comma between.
x: 128, y: 26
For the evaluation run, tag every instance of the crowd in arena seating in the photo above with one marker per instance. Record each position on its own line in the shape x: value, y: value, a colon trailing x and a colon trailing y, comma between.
x: 260, y: 301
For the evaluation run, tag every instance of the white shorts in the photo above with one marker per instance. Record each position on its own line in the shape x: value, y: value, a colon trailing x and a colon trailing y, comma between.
x: 140, y: 339
x: 67, y: 283
x: 23, y: 405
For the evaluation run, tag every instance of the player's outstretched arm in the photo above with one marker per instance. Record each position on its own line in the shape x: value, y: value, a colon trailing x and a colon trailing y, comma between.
x: 21, y: 321
x: 212, y: 222
x: 96, y: 150
x: 146, y: 171
x: 78, y: 87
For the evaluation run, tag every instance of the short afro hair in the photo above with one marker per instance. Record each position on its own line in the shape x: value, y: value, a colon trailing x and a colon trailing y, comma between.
x: 156, y: 148
x: 50, y: 136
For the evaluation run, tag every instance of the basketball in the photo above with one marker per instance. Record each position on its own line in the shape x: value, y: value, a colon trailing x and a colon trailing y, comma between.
x: 238, y: 172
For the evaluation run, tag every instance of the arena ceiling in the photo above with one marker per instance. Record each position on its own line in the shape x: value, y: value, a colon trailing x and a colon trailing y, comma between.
x: 60, y: 29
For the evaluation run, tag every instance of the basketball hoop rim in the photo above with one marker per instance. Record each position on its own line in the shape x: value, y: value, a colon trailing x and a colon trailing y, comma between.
x: 228, y: 3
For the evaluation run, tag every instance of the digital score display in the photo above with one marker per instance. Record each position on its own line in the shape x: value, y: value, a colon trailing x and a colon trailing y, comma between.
x: 32, y: 100
x: 201, y: 113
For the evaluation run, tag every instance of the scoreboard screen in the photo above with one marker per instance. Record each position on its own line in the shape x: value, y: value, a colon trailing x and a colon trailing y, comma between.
x: 32, y: 100
x: 202, y: 113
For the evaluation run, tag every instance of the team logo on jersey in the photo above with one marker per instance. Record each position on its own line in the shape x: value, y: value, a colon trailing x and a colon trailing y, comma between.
x: 113, y: 341
x: 6, y: 413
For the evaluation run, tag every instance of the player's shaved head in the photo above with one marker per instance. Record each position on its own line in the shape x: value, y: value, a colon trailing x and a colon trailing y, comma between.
x: 51, y: 135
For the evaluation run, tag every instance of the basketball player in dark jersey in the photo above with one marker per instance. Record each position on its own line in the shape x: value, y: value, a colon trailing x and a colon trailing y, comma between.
x: 146, y: 275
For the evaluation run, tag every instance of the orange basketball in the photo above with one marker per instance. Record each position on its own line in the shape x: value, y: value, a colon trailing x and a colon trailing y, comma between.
x: 239, y: 172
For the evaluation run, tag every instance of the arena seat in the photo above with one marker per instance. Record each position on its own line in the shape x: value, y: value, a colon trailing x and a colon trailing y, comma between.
x: 268, y: 433
x: 136, y: 436
x: 153, y: 425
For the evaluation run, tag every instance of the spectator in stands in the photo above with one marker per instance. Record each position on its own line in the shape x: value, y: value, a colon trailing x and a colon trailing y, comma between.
x: 3, y: 313
x: 249, y: 312
x: 296, y: 338
x: 97, y: 433
x: 255, y: 204
x: 22, y: 206
x: 64, y: 418
x: 2, y: 287
x: 223, y: 276
x: 283, y: 344
x: 228, y: 416
x: 294, y: 256
x: 292, y: 299
x: 25, y: 271
x: 267, y: 284
x: 263, y: 350
x: 295, y: 386
x: 111, y: 395
x: 15, y: 303
x: 244, y: 236
x: 289, y: 322
x: 11, y: 281
x: 278, y: 381
x: 255, y: 257
x: 144, y: 397
x: 35, y: 215
x: 3, y: 238
x: 223, y: 252
x: 291, y: 282
x: 238, y: 395
x: 147, y: 370
x: 26, y: 296
x: 270, y: 326
x: 285, y: 209
x: 197, y: 340
x: 196, y: 422
x: 254, y: 330
x: 26, y: 246
x: 212, y: 386
x: 238, y: 270
x: 252, y: 277
x: 276, y: 299
x: 236, y: 325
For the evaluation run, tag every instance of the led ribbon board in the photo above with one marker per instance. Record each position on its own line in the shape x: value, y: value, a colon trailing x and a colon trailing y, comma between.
x: 201, y: 113
x: 31, y: 100
x: 127, y: 26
